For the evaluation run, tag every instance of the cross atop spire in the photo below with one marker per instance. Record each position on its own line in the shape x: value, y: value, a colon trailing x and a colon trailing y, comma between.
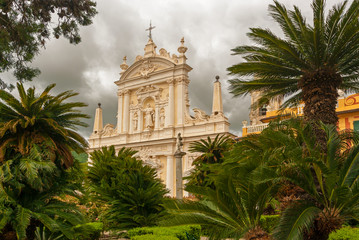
x: 150, y: 30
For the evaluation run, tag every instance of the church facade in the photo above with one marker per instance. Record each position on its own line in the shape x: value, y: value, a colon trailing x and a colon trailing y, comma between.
x: 153, y: 107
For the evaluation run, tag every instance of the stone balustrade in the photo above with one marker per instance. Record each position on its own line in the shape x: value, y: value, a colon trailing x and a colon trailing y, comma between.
x: 256, y: 128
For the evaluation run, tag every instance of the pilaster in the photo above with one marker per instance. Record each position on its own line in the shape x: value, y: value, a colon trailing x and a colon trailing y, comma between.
x: 119, y: 112
x: 126, y: 112
x: 171, y: 103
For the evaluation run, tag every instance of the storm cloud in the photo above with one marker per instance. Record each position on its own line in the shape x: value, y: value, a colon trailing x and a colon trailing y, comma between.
x: 211, y: 28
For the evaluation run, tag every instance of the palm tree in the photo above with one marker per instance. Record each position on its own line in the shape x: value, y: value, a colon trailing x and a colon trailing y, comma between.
x: 35, y: 119
x: 212, y: 152
x: 309, y: 64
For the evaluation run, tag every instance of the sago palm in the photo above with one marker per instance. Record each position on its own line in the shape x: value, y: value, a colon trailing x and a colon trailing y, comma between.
x: 231, y: 210
x: 309, y: 63
x: 211, y: 152
x: 31, y: 191
x: 331, y: 181
x: 37, y: 118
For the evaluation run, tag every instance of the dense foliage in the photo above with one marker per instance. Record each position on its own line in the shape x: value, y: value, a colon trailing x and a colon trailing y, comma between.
x: 129, y: 188
x: 258, y: 168
x: 211, y: 152
x: 185, y: 232
x: 37, y: 138
x: 309, y: 64
x: 26, y: 25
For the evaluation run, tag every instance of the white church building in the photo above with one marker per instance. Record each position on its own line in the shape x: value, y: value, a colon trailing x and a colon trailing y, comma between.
x: 153, y: 107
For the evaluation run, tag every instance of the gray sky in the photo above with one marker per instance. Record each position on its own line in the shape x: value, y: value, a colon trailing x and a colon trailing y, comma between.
x: 210, y: 28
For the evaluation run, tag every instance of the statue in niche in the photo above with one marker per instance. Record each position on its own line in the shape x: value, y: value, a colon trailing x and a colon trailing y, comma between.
x: 135, y: 121
x: 162, y: 118
x: 148, y: 117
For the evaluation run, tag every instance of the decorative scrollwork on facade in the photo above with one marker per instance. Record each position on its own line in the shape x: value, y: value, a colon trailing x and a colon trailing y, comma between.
x: 147, y: 68
x: 351, y: 100
x: 200, y: 115
x: 108, y: 131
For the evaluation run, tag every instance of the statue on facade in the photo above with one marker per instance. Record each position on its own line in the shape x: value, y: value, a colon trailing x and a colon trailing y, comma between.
x: 162, y: 118
x: 148, y: 117
x: 179, y: 143
x: 135, y: 121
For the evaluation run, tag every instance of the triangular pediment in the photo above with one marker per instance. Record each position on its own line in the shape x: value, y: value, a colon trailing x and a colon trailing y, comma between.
x: 147, y: 66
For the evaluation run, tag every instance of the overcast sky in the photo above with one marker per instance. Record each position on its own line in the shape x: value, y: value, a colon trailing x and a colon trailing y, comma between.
x: 211, y: 28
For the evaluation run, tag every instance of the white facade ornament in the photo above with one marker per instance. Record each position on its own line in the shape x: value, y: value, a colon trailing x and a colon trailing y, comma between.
x: 200, y: 115
x: 244, y: 123
x: 135, y: 121
x: 147, y: 68
x: 108, y: 131
x: 149, y: 112
x: 162, y: 118
x: 124, y: 65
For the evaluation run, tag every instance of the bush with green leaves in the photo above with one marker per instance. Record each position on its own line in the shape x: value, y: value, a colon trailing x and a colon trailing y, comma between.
x: 180, y: 232
x: 130, y: 189
x: 153, y: 237
x: 89, y: 231
x: 346, y: 233
x: 269, y: 222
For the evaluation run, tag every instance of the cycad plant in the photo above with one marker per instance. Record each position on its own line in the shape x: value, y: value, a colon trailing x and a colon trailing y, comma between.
x: 37, y: 118
x: 131, y: 190
x: 331, y: 181
x: 211, y: 152
x: 309, y: 64
x: 232, y: 210
x: 36, y: 139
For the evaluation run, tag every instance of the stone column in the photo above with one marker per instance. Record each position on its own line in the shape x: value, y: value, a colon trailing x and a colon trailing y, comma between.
x: 157, y: 117
x: 171, y: 103
x: 119, y: 112
x: 179, y: 182
x: 126, y: 112
x: 170, y: 177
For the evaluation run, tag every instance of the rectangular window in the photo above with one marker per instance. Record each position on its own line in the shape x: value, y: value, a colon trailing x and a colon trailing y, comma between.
x: 356, y: 125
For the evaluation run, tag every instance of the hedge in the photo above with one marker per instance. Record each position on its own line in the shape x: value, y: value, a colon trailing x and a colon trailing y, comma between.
x: 153, y: 237
x: 89, y: 231
x: 180, y: 232
x: 345, y: 233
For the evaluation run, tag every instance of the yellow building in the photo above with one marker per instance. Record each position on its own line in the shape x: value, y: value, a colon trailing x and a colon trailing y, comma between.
x: 347, y: 110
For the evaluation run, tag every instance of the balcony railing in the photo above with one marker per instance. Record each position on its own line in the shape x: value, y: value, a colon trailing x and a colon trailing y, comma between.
x: 256, y: 128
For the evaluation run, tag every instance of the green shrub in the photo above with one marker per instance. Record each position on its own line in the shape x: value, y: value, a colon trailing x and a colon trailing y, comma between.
x: 153, y: 237
x: 345, y: 233
x: 131, y: 190
x: 89, y: 231
x: 268, y: 222
x: 179, y: 232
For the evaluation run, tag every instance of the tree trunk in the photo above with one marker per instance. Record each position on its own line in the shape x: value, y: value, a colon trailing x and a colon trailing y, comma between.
x: 328, y: 221
x: 320, y: 93
x: 257, y: 233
